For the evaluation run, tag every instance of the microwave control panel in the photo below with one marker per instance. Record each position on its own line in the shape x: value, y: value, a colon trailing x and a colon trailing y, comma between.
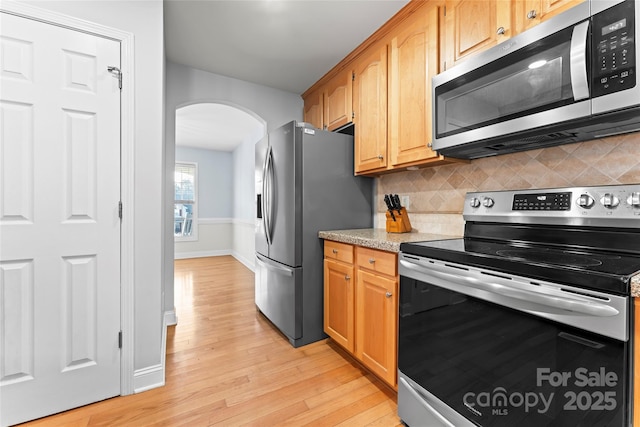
x: 614, y: 56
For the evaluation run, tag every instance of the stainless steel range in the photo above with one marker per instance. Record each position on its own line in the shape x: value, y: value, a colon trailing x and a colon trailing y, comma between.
x: 526, y: 321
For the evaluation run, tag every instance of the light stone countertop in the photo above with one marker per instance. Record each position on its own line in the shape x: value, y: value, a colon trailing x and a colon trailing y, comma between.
x: 635, y: 286
x: 377, y: 238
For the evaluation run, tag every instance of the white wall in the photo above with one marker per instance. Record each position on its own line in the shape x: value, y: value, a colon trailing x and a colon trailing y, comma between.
x: 215, y: 180
x: 145, y: 20
x: 215, y: 203
x: 274, y: 107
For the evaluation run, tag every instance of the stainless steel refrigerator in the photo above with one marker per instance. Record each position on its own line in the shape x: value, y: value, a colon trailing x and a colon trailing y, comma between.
x: 304, y: 184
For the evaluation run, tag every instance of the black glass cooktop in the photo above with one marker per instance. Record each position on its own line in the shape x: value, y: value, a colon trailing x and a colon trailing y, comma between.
x: 591, y: 269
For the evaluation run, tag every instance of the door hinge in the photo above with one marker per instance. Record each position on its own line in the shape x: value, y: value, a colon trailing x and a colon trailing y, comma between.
x: 120, y: 339
x: 115, y: 71
x: 353, y: 115
x: 120, y: 210
x: 353, y: 76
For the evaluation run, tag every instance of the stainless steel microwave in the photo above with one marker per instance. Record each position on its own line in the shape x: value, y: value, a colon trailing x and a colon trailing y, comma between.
x: 569, y: 79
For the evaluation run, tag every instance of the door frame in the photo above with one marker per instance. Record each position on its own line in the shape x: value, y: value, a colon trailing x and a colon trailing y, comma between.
x: 127, y: 142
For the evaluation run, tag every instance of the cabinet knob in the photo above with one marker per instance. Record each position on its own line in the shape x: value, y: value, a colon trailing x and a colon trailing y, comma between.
x: 388, y: 295
x: 372, y: 260
x: 380, y: 156
x: 532, y: 14
x: 347, y: 277
x: 500, y: 31
x: 335, y: 251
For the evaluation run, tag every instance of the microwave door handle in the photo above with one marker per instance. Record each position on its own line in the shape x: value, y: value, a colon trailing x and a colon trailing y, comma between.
x: 578, y: 61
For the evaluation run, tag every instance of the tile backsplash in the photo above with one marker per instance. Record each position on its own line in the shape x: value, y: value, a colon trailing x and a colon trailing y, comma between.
x: 437, y: 192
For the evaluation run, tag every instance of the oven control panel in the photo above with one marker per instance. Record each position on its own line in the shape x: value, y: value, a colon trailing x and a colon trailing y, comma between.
x: 542, y: 202
x: 613, y: 205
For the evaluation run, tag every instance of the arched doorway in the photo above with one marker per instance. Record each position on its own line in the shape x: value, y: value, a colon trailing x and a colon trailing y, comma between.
x: 214, y: 175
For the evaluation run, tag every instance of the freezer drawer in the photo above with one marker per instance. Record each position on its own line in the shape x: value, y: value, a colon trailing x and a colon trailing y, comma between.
x: 279, y: 295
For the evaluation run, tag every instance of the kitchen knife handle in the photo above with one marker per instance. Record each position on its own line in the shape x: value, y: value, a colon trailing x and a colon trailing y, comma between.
x: 387, y: 200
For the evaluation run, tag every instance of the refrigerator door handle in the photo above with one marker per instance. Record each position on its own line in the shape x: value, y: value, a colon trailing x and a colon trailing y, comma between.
x: 266, y: 196
x: 275, y: 268
x: 272, y: 194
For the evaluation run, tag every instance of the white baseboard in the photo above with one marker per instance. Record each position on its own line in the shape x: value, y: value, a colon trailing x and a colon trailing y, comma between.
x: 148, y: 378
x: 247, y: 262
x: 170, y: 317
x: 201, y: 254
x: 154, y: 376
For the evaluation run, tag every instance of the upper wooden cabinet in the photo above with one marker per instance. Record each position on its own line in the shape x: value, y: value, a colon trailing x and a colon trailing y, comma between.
x: 314, y: 109
x: 384, y: 86
x: 338, y: 107
x: 415, y: 59
x: 474, y: 25
x: 529, y: 13
x: 370, y: 108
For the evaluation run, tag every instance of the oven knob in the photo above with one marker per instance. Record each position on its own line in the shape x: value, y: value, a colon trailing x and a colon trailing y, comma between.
x: 585, y: 201
x: 487, y: 202
x: 474, y: 202
x: 609, y: 201
x: 634, y: 199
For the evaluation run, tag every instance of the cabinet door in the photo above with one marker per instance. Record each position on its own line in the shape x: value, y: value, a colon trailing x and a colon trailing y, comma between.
x: 338, y: 303
x: 475, y: 25
x: 376, y: 324
x: 529, y: 13
x: 414, y: 61
x: 338, y: 107
x: 370, y: 106
x: 313, y: 109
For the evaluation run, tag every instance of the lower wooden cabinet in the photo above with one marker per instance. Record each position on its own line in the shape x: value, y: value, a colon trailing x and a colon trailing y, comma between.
x: 376, y: 322
x: 339, y: 283
x: 361, y: 305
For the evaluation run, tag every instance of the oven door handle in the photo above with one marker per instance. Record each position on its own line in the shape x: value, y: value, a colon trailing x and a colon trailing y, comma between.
x: 457, y: 282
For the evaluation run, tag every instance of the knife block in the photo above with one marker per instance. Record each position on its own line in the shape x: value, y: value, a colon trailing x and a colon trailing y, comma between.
x: 401, y: 224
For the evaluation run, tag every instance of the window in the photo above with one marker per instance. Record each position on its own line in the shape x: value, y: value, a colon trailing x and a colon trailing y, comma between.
x: 185, y: 212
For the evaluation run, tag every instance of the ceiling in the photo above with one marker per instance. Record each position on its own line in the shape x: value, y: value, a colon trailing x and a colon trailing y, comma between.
x: 284, y: 44
x: 215, y: 127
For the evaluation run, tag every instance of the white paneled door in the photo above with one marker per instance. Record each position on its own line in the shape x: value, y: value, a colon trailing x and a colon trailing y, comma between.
x: 59, y: 220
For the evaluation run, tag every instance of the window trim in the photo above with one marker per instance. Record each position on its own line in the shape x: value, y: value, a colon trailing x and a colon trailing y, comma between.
x: 194, y: 219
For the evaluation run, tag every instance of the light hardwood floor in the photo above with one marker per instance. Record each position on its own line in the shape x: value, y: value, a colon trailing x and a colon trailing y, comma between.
x: 228, y: 366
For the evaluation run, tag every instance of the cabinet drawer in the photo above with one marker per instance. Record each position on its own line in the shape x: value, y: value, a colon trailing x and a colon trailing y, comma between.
x: 378, y: 261
x: 338, y: 251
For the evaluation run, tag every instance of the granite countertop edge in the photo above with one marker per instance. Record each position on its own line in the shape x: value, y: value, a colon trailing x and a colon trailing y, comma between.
x: 376, y: 238
x: 635, y: 286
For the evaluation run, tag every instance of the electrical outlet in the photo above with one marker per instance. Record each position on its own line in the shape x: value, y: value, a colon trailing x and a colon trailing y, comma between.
x: 405, y: 201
